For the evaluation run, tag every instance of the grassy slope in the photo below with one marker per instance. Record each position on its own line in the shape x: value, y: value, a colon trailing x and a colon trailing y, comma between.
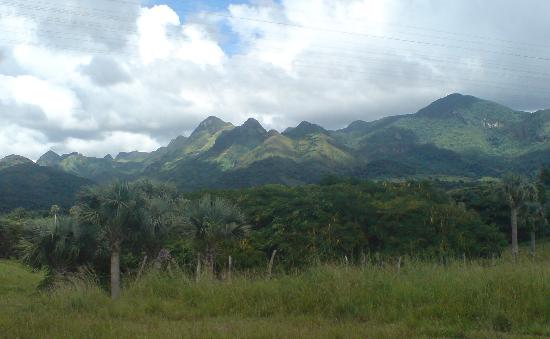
x: 424, y: 300
x: 316, y: 147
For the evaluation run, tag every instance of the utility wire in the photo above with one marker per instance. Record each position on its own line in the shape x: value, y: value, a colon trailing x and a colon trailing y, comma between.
x: 329, y: 30
x: 231, y: 17
x: 124, y: 41
x: 198, y: 5
x: 201, y: 4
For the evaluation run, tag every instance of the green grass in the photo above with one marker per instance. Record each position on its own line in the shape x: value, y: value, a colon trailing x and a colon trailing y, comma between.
x: 423, y: 300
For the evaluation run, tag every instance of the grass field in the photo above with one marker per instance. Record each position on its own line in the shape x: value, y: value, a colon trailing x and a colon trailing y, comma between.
x: 423, y: 300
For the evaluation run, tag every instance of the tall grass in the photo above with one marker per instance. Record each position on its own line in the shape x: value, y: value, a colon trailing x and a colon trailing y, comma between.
x: 476, y: 299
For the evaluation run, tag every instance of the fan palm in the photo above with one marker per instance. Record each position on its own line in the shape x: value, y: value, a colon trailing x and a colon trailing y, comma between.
x: 535, y: 213
x: 118, y: 211
x: 139, y: 211
x: 60, y: 247
x: 54, y: 211
x: 212, y: 221
x: 518, y: 191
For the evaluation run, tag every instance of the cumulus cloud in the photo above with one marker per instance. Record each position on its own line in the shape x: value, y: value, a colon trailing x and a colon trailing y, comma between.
x: 105, y: 71
x: 101, y: 77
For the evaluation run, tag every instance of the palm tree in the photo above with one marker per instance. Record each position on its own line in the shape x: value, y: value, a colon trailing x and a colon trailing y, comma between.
x: 212, y: 221
x: 54, y: 210
x: 61, y: 248
x: 517, y: 190
x: 140, y: 212
x: 118, y: 210
x: 535, y: 217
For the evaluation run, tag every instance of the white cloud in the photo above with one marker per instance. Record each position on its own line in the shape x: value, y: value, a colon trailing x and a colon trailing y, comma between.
x: 103, y: 77
x: 126, y: 142
x: 17, y: 140
x: 161, y: 37
x: 153, y: 41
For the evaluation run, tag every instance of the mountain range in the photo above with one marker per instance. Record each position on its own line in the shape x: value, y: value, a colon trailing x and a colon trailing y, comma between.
x: 457, y: 136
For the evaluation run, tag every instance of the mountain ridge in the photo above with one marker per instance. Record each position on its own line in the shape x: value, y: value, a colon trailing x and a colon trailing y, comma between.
x: 454, y: 130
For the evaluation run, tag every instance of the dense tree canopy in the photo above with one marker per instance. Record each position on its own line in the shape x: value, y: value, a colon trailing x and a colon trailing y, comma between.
x: 338, y: 220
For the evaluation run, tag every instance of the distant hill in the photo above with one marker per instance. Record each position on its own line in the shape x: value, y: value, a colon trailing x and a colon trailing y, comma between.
x: 459, y: 136
x: 13, y: 160
x: 28, y: 185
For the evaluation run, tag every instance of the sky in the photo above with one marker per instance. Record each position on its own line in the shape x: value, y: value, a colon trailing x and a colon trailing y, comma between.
x: 105, y: 76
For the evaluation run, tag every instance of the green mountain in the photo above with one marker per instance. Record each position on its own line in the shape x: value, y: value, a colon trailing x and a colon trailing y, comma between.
x: 458, y: 123
x: 13, y: 160
x: 458, y: 136
x: 28, y: 185
x: 303, y: 129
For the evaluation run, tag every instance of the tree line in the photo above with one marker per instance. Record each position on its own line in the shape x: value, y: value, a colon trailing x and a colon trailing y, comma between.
x: 117, y: 229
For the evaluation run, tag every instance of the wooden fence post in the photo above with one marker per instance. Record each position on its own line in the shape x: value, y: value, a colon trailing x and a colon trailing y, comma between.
x: 270, y: 266
x: 230, y: 265
x: 399, y: 265
x: 198, y: 277
x: 142, y: 267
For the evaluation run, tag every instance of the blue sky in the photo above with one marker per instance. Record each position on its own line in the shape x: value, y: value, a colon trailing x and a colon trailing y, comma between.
x: 211, y: 5
x: 230, y: 41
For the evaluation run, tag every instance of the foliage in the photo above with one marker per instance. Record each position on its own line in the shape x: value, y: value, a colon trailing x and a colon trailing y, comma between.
x: 518, y: 190
x: 212, y: 223
x: 128, y: 215
x: 60, y: 247
x: 354, y: 219
x: 479, y: 299
x: 33, y: 187
x: 11, y: 231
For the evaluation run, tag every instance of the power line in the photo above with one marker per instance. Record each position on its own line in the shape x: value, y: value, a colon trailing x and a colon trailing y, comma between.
x: 362, y: 34
x: 301, y: 63
x: 356, y: 57
x: 197, y: 5
x: 358, y: 53
x: 354, y: 70
x: 82, y: 22
x: 180, y: 36
x: 374, y: 36
x: 64, y: 36
x: 96, y: 51
x: 88, y: 12
x: 61, y: 35
x: 391, y: 77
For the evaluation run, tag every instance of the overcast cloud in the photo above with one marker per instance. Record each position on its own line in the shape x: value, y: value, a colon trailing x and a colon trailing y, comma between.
x: 104, y: 76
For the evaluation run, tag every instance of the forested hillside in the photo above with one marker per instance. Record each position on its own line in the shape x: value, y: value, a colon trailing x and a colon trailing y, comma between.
x: 455, y: 137
x: 23, y: 184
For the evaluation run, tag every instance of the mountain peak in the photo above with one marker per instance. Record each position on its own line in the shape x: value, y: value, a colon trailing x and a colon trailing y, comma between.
x: 249, y: 135
x: 253, y: 123
x: 131, y: 156
x: 448, y: 106
x: 49, y: 158
x: 14, y: 160
x: 303, y: 129
x: 211, y: 125
x: 357, y: 124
